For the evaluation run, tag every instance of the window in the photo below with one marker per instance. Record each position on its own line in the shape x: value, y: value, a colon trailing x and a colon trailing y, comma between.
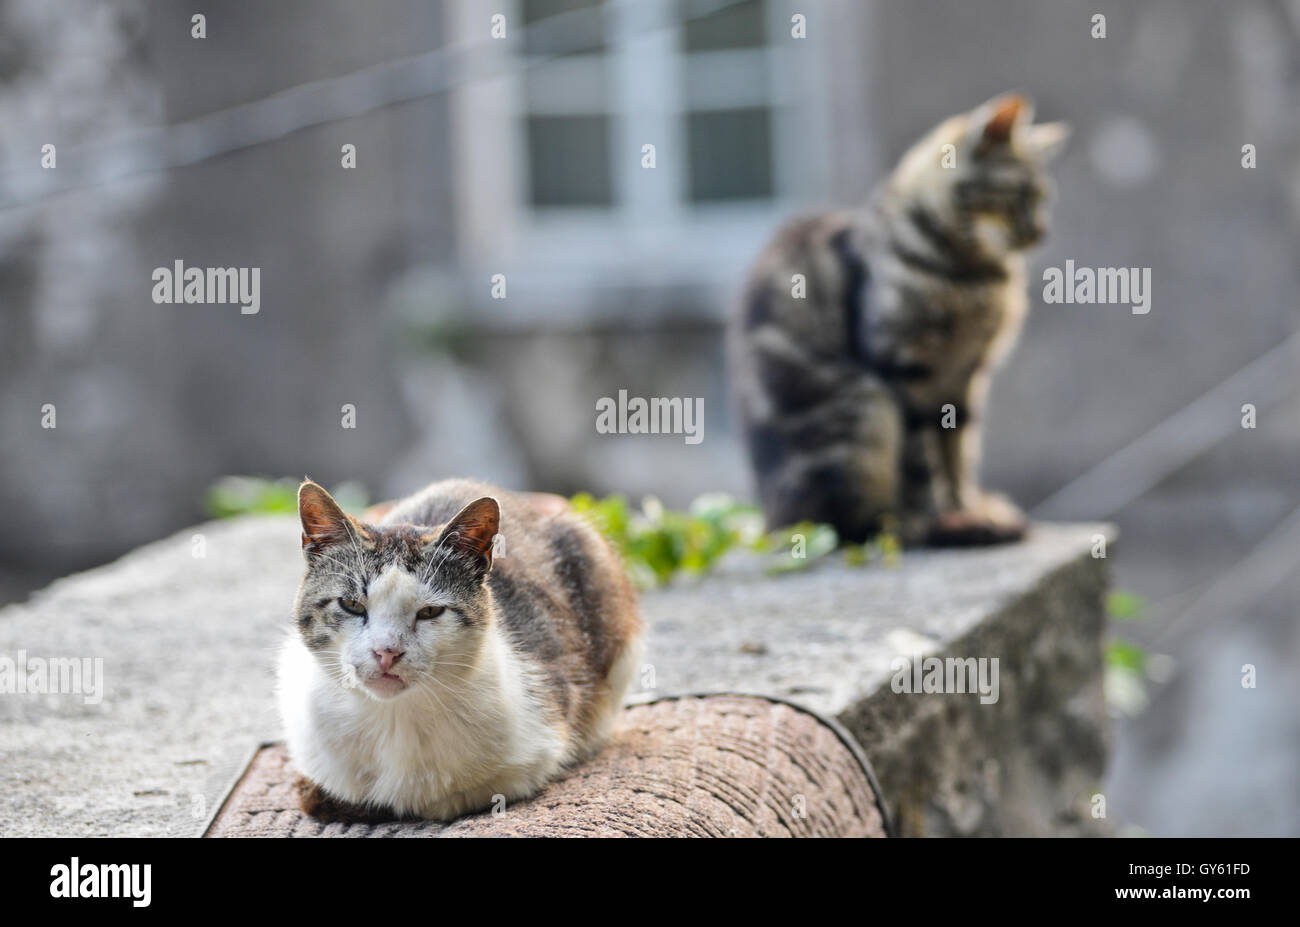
x: 568, y: 161
x: 567, y: 121
x: 728, y: 108
x: 549, y: 145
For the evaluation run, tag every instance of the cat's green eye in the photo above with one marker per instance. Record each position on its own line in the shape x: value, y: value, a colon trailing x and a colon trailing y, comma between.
x: 430, y: 611
x: 352, y: 606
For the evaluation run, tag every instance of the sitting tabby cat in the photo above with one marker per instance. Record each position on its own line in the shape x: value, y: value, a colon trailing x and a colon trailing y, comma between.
x: 863, y: 346
x: 432, y: 671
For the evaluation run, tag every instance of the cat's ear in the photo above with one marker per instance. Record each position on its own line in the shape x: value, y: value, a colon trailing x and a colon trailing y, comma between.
x: 1046, y: 140
x: 324, y: 524
x: 473, y: 530
x: 997, y: 120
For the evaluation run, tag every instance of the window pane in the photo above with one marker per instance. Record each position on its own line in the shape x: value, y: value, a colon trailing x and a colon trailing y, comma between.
x: 731, y: 80
x: 731, y: 154
x: 570, y: 86
x: 581, y: 32
x: 740, y: 26
x: 568, y: 160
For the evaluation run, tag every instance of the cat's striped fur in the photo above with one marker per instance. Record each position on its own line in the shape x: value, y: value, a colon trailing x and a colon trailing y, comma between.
x: 859, y: 330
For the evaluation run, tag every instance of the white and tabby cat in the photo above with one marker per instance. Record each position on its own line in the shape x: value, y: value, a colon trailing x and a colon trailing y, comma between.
x: 861, y: 398
x: 432, y: 669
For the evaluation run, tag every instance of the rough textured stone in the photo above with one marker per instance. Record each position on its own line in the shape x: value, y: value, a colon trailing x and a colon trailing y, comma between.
x: 188, y: 644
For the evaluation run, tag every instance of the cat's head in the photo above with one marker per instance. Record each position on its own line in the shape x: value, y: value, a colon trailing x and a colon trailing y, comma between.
x: 985, y: 172
x: 389, y: 609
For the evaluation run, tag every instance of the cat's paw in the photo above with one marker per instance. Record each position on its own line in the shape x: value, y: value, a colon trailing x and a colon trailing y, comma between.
x: 317, y: 803
x: 991, y: 520
x: 1003, y: 514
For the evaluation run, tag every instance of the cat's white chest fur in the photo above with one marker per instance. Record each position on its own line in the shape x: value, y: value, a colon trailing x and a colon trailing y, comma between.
x: 434, y: 753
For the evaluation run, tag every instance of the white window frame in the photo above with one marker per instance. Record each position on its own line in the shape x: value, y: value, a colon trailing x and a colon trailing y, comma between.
x: 651, y: 231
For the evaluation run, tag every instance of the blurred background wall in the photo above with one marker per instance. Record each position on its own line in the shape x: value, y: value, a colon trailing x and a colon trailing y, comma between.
x: 522, y: 156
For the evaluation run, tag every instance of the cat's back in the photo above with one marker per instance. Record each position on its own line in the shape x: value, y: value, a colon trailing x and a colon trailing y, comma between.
x: 798, y: 283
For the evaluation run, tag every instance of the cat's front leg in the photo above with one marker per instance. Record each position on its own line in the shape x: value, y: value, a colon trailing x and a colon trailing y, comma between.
x: 972, y: 515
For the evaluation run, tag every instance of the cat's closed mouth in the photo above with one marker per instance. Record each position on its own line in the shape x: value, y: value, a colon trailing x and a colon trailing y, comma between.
x: 386, y: 685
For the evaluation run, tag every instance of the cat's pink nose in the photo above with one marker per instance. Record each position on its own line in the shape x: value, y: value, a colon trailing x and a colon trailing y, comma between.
x: 387, y: 658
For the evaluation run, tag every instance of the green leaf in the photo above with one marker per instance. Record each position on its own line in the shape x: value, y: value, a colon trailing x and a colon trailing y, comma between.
x: 254, y: 495
x: 1124, y: 654
x: 1126, y: 606
x: 659, y: 544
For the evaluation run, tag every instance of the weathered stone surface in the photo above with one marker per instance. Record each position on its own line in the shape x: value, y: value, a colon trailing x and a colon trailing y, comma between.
x: 947, y: 764
x: 188, y: 644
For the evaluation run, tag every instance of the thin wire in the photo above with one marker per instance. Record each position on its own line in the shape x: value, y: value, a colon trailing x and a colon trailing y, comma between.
x: 1147, y: 461
x: 1258, y: 573
x: 333, y: 99
x: 1102, y: 491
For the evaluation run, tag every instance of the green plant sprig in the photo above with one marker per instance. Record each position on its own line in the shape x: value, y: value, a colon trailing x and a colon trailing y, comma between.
x: 658, y: 544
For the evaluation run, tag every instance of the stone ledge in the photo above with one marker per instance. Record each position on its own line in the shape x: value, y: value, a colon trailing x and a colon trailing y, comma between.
x: 188, y: 644
x: 947, y: 764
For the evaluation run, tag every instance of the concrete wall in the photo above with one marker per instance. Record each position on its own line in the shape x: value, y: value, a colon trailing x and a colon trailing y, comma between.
x: 156, y: 401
